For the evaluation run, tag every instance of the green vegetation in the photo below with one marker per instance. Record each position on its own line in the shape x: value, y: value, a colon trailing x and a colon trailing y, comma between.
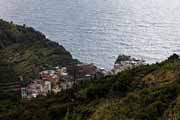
x: 24, y: 52
x: 143, y: 93
x: 148, y: 92
x: 29, y: 51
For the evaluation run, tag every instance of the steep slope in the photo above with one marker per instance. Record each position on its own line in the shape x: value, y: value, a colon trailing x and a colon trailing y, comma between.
x: 29, y: 51
x: 25, y: 52
x: 158, y: 99
x: 148, y: 92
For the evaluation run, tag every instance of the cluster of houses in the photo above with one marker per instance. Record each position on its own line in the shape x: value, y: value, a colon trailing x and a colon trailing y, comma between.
x: 61, y: 78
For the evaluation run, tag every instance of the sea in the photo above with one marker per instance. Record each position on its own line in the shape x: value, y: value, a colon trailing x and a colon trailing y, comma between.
x: 97, y: 31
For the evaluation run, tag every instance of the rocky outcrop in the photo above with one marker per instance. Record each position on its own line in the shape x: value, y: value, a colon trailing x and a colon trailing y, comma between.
x: 125, y: 62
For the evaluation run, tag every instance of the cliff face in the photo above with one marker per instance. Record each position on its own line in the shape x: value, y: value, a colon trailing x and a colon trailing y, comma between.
x: 29, y: 51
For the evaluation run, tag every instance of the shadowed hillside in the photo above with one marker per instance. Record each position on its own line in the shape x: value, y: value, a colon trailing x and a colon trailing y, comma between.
x: 148, y: 92
x: 25, y: 52
x: 29, y: 51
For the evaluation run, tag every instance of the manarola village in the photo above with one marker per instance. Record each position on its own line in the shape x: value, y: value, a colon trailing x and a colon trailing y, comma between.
x: 89, y: 60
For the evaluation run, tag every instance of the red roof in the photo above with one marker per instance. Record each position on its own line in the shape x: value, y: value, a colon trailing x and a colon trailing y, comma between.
x: 87, y: 69
x: 47, y: 77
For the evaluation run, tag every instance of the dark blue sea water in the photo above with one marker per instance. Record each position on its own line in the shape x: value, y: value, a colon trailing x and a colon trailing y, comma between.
x: 99, y: 30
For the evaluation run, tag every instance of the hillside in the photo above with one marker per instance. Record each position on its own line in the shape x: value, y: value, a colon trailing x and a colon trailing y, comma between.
x: 148, y: 92
x: 25, y: 52
x: 29, y: 51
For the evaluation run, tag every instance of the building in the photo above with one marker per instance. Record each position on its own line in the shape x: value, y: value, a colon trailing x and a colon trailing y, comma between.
x: 86, y: 71
x: 46, y: 88
x: 34, y: 89
x: 48, y: 75
x: 23, y: 93
x: 59, y: 79
x: 62, y: 71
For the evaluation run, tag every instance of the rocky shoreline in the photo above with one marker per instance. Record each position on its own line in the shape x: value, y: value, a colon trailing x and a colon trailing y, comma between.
x: 124, y: 62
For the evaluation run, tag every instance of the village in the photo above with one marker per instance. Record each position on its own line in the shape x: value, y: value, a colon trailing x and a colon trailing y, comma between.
x: 62, y: 78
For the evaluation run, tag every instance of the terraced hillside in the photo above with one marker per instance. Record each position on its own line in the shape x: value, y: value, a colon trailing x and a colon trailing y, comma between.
x: 148, y: 92
x: 29, y: 51
x: 25, y: 52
